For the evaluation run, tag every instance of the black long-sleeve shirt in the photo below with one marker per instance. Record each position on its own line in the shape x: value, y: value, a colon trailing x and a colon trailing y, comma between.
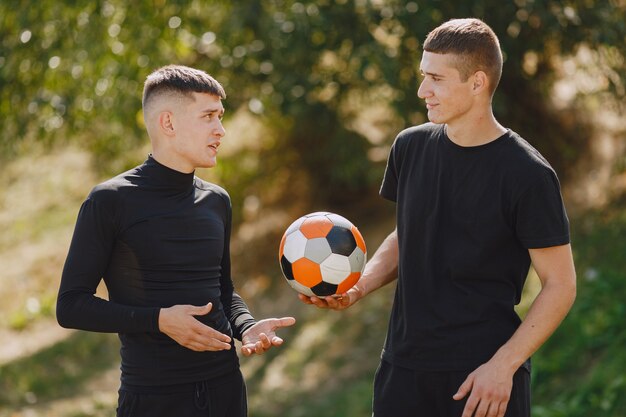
x: 158, y: 238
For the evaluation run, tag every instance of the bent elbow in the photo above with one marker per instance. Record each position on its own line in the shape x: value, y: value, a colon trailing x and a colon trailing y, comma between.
x: 574, y: 291
x: 571, y: 290
x: 64, y: 315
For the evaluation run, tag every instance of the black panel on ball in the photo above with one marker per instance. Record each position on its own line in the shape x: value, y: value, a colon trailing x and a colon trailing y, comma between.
x: 341, y: 240
x: 324, y: 288
x: 286, y: 266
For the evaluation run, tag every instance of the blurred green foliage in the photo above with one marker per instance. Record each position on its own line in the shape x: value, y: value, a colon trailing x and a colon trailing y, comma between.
x: 581, y: 370
x: 73, y: 71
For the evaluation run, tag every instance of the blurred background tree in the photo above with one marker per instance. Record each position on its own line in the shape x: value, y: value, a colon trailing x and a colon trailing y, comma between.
x: 317, y: 91
x: 306, y: 70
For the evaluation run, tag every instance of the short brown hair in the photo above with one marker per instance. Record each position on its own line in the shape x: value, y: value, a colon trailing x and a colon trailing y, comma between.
x: 476, y: 45
x: 181, y: 80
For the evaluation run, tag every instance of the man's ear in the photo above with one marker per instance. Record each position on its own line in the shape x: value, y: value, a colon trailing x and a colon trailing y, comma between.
x: 166, y: 123
x: 480, y: 82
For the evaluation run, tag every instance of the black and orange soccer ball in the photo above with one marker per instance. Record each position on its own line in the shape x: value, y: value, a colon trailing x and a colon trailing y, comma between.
x: 322, y: 254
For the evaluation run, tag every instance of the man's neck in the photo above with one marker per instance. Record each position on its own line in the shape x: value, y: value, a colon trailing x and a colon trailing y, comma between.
x: 476, y: 131
x: 164, y: 158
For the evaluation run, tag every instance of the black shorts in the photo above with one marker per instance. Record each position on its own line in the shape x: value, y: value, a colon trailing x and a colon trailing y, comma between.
x: 401, y: 392
x: 225, y: 397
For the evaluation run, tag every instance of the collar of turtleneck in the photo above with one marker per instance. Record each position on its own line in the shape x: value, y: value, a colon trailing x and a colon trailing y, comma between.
x: 166, y: 176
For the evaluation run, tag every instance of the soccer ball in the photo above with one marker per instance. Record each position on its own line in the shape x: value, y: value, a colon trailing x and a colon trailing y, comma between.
x: 322, y: 254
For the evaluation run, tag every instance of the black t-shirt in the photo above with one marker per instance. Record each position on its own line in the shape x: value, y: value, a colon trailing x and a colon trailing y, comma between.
x: 158, y: 238
x: 466, y: 217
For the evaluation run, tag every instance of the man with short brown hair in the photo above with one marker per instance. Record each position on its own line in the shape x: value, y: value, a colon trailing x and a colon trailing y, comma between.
x: 159, y: 237
x: 476, y: 205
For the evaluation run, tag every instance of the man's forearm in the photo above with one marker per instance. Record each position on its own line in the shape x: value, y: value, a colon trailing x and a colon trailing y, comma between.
x: 555, y: 268
x: 382, y: 268
x: 544, y: 316
x: 77, y: 309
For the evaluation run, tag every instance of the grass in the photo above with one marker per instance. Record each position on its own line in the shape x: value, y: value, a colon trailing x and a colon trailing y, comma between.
x: 38, y: 207
x: 58, y: 371
x: 34, y: 309
x: 327, y: 364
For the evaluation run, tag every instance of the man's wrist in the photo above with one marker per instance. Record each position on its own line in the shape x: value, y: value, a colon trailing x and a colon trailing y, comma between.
x: 160, y: 318
x: 509, y: 358
x: 359, y: 290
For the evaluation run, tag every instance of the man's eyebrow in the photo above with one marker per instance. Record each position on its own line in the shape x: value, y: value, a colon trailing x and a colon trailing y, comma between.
x: 209, y: 111
x: 431, y: 74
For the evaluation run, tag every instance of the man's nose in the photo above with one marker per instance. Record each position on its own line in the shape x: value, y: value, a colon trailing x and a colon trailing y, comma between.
x: 220, y: 131
x: 424, y: 90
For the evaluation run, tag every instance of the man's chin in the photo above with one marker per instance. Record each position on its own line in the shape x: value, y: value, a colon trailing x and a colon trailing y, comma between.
x: 207, y: 164
x: 434, y: 119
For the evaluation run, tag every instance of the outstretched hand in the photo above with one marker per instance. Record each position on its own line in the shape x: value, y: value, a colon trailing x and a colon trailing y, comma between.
x: 262, y: 336
x: 333, y: 302
x: 179, y: 323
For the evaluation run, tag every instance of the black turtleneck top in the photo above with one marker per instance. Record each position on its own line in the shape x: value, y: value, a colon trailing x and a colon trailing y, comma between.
x: 158, y: 238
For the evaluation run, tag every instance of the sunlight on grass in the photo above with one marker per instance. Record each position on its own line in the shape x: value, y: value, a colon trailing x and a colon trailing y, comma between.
x: 58, y: 371
x: 39, y: 198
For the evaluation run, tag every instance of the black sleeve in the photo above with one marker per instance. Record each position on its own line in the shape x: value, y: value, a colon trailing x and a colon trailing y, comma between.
x: 389, y: 187
x: 541, y: 220
x: 235, y: 308
x: 77, y: 305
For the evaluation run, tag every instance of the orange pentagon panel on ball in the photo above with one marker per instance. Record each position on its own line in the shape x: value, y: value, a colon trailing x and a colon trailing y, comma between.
x: 359, y: 239
x: 315, y: 227
x: 348, y: 283
x: 306, y: 272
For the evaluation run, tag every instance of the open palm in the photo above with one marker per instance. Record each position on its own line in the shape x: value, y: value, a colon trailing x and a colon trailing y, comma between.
x: 262, y: 336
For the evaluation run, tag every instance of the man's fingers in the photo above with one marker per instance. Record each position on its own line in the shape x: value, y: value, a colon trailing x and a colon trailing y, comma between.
x: 482, y: 409
x: 470, y: 406
x: 265, y: 341
x: 209, y: 337
x: 304, y: 299
x: 331, y: 302
x: 200, y: 310
x: 502, y: 409
x: 319, y: 302
x: 465, y: 388
x: 218, y: 345
x: 284, y: 322
x: 493, y: 409
x: 344, y: 300
x: 201, y: 344
x: 252, y: 348
x: 213, y: 340
x: 207, y: 333
x: 262, y: 345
